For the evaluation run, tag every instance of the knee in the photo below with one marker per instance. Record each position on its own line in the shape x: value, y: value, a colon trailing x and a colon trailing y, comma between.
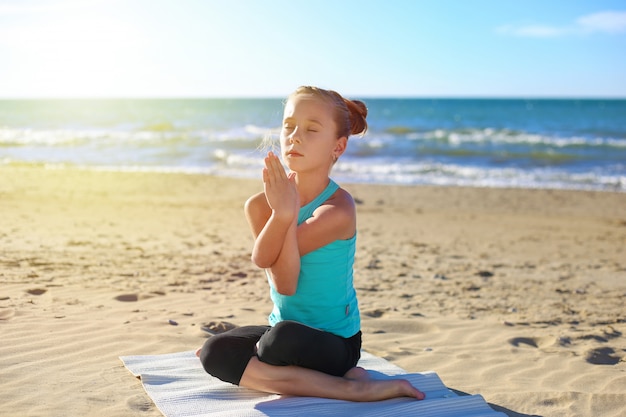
x: 214, y: 354
x: 282, y: 343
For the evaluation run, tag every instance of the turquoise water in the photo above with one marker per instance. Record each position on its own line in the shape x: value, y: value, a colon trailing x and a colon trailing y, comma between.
x: 576, y: 144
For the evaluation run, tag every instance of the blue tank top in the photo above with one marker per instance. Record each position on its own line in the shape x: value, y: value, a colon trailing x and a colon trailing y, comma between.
x: 325, y: 297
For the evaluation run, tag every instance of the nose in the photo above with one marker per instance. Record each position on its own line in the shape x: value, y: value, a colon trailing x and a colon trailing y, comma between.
x: 294, y: 137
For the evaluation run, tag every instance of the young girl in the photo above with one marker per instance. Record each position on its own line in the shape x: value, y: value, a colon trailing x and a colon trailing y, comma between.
x: 304, y: 227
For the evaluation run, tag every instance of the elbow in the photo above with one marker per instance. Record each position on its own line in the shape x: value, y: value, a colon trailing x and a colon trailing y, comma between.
x: 259, y: 261
x: 287, y: 290
x: 284, y: 284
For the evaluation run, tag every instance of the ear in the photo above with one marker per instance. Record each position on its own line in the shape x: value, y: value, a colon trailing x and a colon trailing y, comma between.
x: 340, y: 146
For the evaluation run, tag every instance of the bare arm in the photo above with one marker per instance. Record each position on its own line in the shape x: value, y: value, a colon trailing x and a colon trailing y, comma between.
x: 279, y: 242
x: 333, y: 220
x: 272, y: 216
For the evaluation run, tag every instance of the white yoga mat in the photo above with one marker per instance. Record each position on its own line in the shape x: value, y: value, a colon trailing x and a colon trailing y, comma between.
x: 180, y: 387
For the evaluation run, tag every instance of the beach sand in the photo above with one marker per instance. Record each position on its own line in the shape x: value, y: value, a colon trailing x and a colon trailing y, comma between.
x: 517, y: 295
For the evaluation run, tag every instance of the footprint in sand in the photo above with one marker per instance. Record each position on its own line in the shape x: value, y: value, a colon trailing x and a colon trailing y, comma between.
x: 215, y: 327
x: 129, y: 298
x: 374, y: 313
x: 535, y: 342
x: 602, y: 356
x: 140, y: 403
x: 7, y: 313
x: 519, y: 341
x: 37, y: 291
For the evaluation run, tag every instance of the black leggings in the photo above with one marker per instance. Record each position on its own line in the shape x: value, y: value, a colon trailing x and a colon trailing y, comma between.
x: 226, y: 355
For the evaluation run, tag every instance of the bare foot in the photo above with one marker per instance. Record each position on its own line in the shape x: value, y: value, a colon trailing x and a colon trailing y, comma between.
x: 409, y: 390
x: 355, y: 385
x: 383, y: 389
x: 393, y: 388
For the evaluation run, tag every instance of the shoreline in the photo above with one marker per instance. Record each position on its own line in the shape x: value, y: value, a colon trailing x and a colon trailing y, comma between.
x: 523, y: 289
x: 211, y: 173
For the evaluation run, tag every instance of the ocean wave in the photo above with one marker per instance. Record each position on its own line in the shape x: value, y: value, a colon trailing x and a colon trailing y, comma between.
x: 436, y: 174
x: 252, y: 135
x: 558, y: 144
x: 433, y: 173
x: 455, y: 137
x: 101, y: 137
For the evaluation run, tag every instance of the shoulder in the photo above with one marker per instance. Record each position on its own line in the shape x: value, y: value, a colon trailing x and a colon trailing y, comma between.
x: 338, y: 213
x: 342, y: 201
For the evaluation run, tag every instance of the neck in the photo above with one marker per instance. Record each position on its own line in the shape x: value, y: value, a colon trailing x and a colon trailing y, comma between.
x: 310, y: 186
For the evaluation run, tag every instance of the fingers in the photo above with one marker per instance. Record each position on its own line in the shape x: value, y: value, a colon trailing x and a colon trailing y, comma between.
x: 265, y: 175
x: 292, y: 180
x: 275, y: 170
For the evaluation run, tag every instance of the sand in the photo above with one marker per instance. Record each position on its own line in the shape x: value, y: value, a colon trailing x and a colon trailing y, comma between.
x: 517, y: 295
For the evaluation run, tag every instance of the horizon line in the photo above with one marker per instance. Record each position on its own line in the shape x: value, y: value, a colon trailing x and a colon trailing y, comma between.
x: 354, y: 96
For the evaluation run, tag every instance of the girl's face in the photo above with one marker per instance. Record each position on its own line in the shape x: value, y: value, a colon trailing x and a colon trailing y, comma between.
x: 308, y: 137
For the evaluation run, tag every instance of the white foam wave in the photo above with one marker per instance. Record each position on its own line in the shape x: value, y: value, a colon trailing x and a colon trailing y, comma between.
x: 505, y: 136
x: 436, y: 174
x: 73, y: 137
x: 450, y: 174
x: 98, y: 137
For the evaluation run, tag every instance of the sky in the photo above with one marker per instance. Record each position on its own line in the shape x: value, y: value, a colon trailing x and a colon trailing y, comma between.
x: 266, y: 48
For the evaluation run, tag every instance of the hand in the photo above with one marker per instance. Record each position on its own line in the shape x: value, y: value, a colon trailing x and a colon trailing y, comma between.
x: 280, y: 189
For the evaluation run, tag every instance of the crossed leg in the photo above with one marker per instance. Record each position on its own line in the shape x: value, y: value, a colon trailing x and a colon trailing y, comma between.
x: 355, y: 385
x: 226, y: 357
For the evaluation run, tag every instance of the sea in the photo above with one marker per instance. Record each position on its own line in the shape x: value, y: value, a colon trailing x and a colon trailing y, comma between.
x: 520, y: 143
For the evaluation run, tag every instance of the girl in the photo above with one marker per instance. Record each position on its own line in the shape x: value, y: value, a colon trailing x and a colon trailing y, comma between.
x: 304, y: 227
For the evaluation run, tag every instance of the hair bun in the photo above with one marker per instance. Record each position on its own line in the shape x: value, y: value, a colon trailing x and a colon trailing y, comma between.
x: 358, y: 114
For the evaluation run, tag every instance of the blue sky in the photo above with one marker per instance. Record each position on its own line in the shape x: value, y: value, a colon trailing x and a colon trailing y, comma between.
x: 250, y: 48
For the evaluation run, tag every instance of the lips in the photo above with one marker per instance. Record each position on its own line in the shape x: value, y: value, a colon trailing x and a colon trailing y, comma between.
x: 293, y: 153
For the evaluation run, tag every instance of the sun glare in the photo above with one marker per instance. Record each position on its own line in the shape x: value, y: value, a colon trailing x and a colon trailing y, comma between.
x: 77, y: 54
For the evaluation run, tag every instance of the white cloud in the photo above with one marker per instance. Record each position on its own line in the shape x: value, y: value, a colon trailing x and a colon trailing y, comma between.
x: 612, y: 22
x: 608, y: 22
x: 531, y: 31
